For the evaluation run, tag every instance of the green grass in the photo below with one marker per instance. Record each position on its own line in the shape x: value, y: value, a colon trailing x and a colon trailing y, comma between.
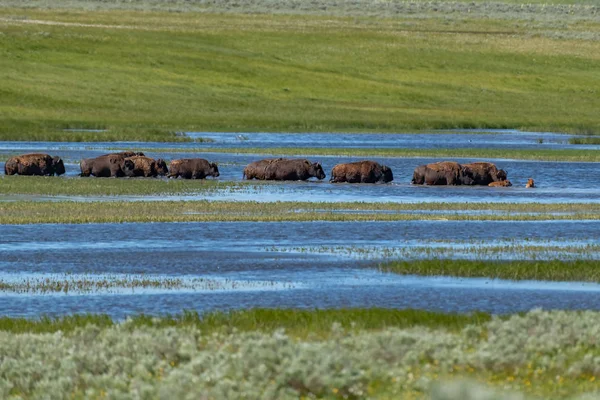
x: 143, y: 73
x: 517, y: 154
x: 299, y: 323
x: 29, y: 212
x: 556, y: 270
x: 52, y: 186
x: 586, y: 140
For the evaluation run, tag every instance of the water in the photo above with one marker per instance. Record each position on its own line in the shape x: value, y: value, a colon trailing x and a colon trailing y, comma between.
x: 309, y: 264
x: 558, y: 182
x: 243, y: 252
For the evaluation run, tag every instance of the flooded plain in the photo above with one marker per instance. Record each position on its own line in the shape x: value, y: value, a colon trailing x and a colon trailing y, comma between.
x: 160, y: 268
x: 208, y: 266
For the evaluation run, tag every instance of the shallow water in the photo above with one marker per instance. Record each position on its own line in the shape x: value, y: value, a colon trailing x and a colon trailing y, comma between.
x: 557, y: 182
x: 243, y: 252
x: 498, y: 139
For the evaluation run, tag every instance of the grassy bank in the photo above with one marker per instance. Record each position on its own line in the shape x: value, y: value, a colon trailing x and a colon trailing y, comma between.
x: 29, y: 212
x: 136, y: 74
x: 517, y: 154
x: 298, y: 323
x: 370, y: 354
x: 579, y: 270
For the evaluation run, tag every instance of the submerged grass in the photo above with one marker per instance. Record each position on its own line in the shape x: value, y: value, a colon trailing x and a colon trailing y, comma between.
x: 555, y: 270
x: 499, y: 67
x: 29, y: 212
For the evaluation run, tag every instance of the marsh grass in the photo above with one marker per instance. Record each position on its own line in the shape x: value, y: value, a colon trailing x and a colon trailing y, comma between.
x: 553, y: 270
x: 573, y: 155
x: 28, y: 212
x: 52, y: 186
x: 300, y: 323
x: 202, y: 71
x: 585, y: 140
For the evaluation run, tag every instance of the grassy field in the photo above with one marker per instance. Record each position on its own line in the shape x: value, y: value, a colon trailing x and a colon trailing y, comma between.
x: 288, y: 354
x: 580, y: 270
x: 28, y: 212
x: 147, y: 75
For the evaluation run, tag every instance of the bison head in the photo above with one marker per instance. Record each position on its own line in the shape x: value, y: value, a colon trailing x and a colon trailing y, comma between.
x: 419, y: 175
x: 501, y: 175
x: 214, y: 170
x: 388, y: 176
x: 139, y: 153
x: 58, y: 166
x: 161, y: 167
x: 128, y: 166
x: 317, y: 170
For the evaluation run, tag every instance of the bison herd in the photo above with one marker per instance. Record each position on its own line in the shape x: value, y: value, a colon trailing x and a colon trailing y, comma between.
x: 136, y: 164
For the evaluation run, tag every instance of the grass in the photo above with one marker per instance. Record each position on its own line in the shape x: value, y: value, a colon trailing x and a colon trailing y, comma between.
x: 30, y: 212
x: 334, y: 354
x: 137, y: 74
x: 585, y: 140
x: 299, y: 323
x: 556, y: 270
x: 517, y: 154
x: 48, y: 186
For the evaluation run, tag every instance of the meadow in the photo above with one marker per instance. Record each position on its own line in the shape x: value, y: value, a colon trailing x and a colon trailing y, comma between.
x: 272, y: 355
x: 131, y: 75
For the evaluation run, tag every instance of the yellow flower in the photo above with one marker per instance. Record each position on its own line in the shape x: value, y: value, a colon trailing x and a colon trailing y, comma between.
x: 335, y: 390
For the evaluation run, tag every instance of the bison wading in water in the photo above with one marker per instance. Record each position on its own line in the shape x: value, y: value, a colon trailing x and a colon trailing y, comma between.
x: 193, y: 168
x: 111, y: 165
x: 484, y: 173
x: 441, y: 173
x: 146, y: 167
x: 34, y: 164
x: 256, y: 169
x: 293, y: 170
x: 361, y: 172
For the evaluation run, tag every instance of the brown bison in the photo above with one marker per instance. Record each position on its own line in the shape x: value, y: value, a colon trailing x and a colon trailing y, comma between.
x: 256, y: 169
x: 147, y: 167
x: 34, y: 164
x: 361, y: 172
x: 530, y: 183
x: 293, y: 170
x: 484, y: 173
x: 112, y: 165
x: 193, y: 168
x: 504, y: 183
x: 441, y: 173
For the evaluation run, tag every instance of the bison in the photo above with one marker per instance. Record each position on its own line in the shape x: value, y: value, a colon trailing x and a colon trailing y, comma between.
x: 361, y: 172
x: 146, y: 167
x: 441, y: 173
x: 293, y: 170
x: 112, y: 165
x: 484, y: 173
x: 34, y: 164
x: 193, y: 168
x: 256, y: 169
x: 504, y: 183
x: 530, y: 183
